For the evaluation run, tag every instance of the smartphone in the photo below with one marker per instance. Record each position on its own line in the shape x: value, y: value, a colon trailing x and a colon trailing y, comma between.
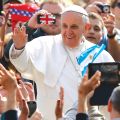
x: 46, y: 19
x: 110, y: 78
x: 32, y: 105
x: 104, y: 8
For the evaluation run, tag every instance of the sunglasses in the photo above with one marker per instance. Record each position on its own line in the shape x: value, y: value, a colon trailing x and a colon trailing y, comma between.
x: 118, y: 5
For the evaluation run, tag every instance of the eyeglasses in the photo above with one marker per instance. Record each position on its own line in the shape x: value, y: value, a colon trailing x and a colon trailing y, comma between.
x: 118, y: 5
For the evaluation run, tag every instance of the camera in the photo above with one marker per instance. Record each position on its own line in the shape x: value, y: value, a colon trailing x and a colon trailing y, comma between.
x: 46, y: 19
x: 104, y: 8
x: 110, y: 78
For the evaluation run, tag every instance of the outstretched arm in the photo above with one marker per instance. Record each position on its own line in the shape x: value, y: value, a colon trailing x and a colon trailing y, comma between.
x: 85, y: 88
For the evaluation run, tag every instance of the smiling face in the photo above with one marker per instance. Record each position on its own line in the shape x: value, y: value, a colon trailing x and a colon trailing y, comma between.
x: 72, y: 28
x: 95, y: 33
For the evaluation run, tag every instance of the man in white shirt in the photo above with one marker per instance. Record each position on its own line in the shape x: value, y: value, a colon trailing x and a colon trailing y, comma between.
x: 51, y: 60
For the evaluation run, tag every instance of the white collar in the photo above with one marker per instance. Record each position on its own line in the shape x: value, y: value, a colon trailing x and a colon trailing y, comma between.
x: 79, y: 47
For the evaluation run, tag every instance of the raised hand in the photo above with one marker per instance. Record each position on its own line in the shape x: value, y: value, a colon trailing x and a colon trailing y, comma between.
x: 30, y: 90
x: 110, y: 23
x: 6, y: 8
x: 3, y: 99
x: 36, y: 116
x: 20, y: 37
x: 7, y: 79
x: 1, y: 48
x: 60, y: 104
x: 23, y: 90
x: 24, y: 111
x: 86, y: 85
x: 33, y: 20
x: 85, y: 88
x: 9, y: 83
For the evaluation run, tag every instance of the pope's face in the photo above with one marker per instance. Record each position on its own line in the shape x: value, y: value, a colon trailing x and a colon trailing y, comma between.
x: 72, y: 28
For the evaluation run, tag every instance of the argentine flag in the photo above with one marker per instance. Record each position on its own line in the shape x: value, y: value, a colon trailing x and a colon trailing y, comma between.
x: 89, y: 56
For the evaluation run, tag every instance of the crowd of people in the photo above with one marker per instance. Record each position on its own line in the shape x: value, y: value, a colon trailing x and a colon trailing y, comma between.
x: 45, y: 50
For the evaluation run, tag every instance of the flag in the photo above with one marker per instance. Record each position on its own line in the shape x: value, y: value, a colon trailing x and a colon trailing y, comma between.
x: 46, y: 19
x: 22, y: 12
x: 89, y: 56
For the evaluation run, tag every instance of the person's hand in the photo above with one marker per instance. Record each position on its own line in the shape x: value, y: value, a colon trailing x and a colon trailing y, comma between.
x: 85, y: 88
x: 23, y: 90
x: 87, y: 85
x: 109, y: 22
x: 29, y: 87
x: 9, y: 83
x: 8, y: 80
x: 19, y: 37
x: 6, y: 11
x: 1, y: 48
x: 3, y: 102
x: 27, y: 91
x: 32, y: 23
x: 36, y: 115
x: 60, y: 104
x: 22, y: 105
x: 93, y: 8
x: 6, y: 8
x: 24, y: 111
x: 3, y: 99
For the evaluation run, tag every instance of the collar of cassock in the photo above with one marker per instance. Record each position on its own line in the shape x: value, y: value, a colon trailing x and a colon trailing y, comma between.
x: 79, y: 47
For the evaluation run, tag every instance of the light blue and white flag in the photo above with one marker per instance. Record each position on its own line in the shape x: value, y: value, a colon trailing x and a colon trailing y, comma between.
x: 89, y: 56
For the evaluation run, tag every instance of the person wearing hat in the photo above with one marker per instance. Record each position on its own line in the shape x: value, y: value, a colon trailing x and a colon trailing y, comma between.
x: 51, y: 60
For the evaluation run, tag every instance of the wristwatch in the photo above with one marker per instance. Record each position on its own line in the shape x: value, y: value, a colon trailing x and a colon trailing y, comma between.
x: 111, y: 36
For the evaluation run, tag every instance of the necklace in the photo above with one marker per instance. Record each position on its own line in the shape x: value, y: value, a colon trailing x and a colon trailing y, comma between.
x: 77, y: 69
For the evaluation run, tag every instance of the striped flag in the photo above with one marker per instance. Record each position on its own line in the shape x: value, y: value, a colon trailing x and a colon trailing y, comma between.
x: 89, y: 56
x: 22, y: 12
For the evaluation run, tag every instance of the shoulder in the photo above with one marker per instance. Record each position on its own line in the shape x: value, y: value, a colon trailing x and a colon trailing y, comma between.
x: 88, y: 44
x: 104, y: 57
x: 44, y: 43
x: 46, y: 39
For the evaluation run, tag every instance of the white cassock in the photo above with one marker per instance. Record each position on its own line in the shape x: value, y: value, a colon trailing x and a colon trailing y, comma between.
x: 46, y: 61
